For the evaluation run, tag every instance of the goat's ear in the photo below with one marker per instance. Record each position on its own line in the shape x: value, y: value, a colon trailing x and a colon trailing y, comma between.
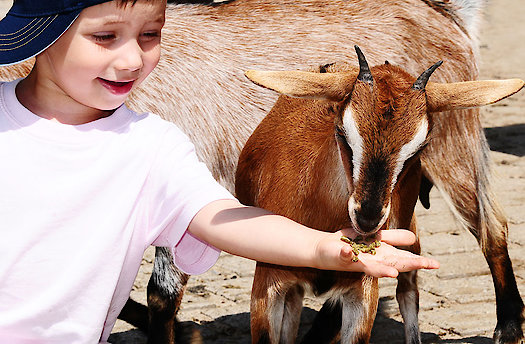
x: 333, y: 86
x: 461, y: 95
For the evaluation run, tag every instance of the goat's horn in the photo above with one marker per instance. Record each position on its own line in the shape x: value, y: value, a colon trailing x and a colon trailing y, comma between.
x: 364, y: 70
x: 421, y: 82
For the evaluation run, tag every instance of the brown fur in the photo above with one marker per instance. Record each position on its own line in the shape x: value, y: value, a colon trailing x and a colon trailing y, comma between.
x: 291, y: 165
x: 299, y: 163
x: 294, y: 162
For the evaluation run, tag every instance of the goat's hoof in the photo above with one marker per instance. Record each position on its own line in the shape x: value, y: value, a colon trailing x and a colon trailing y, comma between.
x: 509, y: 333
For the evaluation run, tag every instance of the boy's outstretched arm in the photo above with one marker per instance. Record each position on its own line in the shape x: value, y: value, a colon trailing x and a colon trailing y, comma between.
x: 257, y: 234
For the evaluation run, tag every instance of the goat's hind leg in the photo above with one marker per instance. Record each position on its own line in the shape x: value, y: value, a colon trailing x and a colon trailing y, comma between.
x: 165, y: 291
x: 466, y: 169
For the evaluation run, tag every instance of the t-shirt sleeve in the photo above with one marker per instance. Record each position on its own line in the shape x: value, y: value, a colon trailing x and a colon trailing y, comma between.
x: 179, y: 186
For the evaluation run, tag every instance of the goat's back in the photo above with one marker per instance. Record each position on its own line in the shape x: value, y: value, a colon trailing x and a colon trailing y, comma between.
x: 200, y: 85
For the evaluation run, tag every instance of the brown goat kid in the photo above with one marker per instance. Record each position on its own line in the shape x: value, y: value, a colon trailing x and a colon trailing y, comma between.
x: 345, y: 153
x: 200, y: 85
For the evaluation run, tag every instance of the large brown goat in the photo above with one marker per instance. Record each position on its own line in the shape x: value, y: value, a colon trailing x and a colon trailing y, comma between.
x: 199, y: 84
x: 344, y: 154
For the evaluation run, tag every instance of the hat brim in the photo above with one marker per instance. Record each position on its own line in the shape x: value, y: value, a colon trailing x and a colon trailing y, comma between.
x: 22, y: 38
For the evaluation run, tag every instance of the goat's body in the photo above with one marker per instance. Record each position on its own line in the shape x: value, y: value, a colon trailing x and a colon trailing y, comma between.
x: 291, y: 165
x: 199, y: 85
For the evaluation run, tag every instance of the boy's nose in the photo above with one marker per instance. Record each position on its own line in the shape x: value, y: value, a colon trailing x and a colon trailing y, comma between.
x: 130, y: 57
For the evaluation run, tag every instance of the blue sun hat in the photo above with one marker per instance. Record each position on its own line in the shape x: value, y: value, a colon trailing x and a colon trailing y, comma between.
x: 31, y: 26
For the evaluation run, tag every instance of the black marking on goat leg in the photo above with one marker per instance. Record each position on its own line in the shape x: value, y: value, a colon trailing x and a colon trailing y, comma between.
x: 509, y: 306
x: 364, y: 71
x: 136, y: 314
x: 326, y: 325
x: 323, y: 282
x: 421, y: 82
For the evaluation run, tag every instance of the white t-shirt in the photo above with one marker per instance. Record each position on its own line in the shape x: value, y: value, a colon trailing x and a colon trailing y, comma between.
x: 79, y: 204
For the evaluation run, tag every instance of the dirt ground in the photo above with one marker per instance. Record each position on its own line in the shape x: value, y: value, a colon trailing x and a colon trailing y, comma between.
x: 457, y: 301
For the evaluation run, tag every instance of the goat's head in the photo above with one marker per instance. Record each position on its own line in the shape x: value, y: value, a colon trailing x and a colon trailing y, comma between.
x: 382, y: 122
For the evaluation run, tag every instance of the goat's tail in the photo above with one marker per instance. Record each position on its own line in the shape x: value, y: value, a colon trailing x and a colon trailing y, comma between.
x: 492, y: 221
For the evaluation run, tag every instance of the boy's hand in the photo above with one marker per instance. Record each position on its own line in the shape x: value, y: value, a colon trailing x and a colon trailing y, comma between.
x: 332, y: 253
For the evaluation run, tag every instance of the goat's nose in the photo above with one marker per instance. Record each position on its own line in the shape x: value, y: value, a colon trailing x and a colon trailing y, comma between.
x: 368, y: 217
x: 367, y: 224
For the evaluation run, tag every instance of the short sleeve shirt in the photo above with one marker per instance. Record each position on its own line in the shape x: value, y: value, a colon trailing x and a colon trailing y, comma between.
x: 79, y: 206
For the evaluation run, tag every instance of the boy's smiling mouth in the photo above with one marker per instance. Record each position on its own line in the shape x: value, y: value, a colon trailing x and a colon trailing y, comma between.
x: 117, y: 87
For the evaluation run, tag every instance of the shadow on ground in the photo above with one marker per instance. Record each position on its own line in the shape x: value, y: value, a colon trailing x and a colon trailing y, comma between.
x: 235, y: 329
x: 508, y: 139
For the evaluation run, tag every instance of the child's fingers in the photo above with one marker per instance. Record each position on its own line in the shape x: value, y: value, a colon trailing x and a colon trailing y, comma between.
x: 397, y: 237
x: 347, y: 253
x: 394, y: 237
x: 401, y: 260
x: 388, y: 260
x: 408, y: 261
x: 419, y: 262
x: 380, y: 270
x: 370, y: 267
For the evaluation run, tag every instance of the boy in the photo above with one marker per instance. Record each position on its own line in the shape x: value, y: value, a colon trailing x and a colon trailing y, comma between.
x: 88, y: 184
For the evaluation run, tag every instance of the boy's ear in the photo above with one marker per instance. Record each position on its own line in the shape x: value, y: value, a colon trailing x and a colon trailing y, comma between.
x: 461, y: 95
x: 333, y: 86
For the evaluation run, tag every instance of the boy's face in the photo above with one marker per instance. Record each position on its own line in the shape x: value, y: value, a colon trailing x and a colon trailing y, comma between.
x: 107, y: 51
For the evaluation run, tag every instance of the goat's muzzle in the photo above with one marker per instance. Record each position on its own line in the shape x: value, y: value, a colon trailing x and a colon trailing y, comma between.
x: 367, y: 217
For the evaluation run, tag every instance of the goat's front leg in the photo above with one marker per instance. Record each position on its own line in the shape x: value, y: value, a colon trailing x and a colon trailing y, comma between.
x: 165, y: 290
x: 404, y: 200
x: 276, y: 305
x: 467, y: 169
x: 407, y: 295
x: 359, y: 311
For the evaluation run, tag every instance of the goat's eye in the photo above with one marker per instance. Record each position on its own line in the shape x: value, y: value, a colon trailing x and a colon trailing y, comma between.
x: 339, y: 133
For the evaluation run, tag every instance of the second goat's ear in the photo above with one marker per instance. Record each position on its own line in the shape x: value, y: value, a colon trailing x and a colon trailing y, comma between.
x: 332, y: 86
x: 468, y: 94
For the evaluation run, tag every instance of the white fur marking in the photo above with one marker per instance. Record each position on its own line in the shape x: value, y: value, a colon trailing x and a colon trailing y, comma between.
x: 409, y: 149
x: 354, y: 141
x: 275, y: 313
x: 353, y: 313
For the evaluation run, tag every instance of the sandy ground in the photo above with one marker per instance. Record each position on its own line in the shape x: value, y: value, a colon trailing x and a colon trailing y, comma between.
x: 457, y: 301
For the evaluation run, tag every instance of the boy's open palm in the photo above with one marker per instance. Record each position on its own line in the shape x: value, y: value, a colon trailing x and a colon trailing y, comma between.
x: 388, y: 260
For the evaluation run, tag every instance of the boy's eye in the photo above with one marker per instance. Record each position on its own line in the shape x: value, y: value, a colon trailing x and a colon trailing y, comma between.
x: 151, y: 34
x: 103, y: 37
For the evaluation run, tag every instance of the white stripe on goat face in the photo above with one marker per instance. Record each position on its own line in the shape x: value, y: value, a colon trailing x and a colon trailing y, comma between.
x: 355, y: 142
x: 409, y: 149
